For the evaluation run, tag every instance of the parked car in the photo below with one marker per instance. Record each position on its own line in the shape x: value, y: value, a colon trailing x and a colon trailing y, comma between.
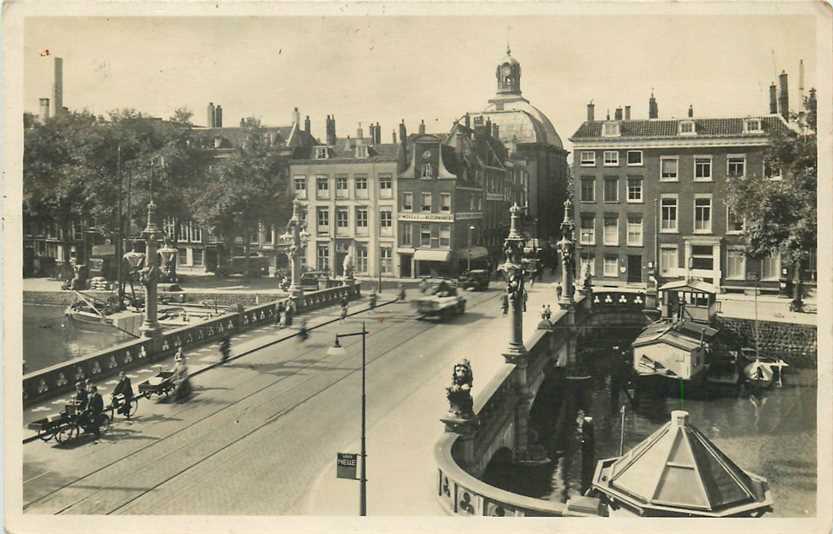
x: 474, y: 279
x: 309, y: 280
x: 440, y: 300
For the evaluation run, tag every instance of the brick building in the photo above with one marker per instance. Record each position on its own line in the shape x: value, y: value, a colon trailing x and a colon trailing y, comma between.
x: 650, y: 196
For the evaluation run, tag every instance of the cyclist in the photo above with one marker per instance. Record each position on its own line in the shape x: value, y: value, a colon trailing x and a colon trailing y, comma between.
x: 303, y: 332
x: 123, y: 393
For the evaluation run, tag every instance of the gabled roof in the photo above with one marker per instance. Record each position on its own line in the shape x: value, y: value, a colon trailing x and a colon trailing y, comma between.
x: 719, y: 127
x: 678, y: 471
x: 685, y: 335
x: 697, y: 286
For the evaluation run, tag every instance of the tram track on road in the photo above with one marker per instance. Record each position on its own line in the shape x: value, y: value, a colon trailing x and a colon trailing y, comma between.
x: 421, y: 328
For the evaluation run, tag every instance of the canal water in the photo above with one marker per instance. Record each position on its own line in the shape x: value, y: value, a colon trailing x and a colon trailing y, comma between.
x: 50, y: 338
x: 772, y: 434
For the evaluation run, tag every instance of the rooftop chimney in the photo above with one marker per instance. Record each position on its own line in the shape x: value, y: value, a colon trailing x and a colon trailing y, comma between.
x: 784, y: 97
x: 307, y: 125
x: 378, y: 133
x: 422, y: 127
x: 690, y: 111
x: 627, y: 113
x: 44, y: 109
x: 467, y: 121
x: 773, y: 99
x: 296, y: 117
x: 591, y: 111
x: 218, y: 116
x: 403, y: 133
x: 331, y: 130
x: 653, y: 109
x: 608, y: 115
x: 209, y: 115
x: 394, y: 136
x: 617, y: 114
x: 360, y: 132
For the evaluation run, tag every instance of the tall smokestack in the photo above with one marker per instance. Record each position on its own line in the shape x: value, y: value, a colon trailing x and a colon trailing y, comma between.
x: 627, y: 113
x: 218, y: 116
x: 44, y: 109
x: 58, y: 87
x: 653, y: 108
x: 784, y: 97
x: 209, y: 115
x: 773, y: 99
x: 591, y: 111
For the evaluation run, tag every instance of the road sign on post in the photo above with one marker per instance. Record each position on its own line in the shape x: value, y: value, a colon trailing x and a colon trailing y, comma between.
x: 346, y: 465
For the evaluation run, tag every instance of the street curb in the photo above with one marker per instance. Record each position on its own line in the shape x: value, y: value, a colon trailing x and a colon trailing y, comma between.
x: 34, y: 437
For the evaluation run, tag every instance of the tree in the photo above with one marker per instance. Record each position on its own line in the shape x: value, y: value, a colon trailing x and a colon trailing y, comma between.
x: 780, y: 215
x: 182, y: 115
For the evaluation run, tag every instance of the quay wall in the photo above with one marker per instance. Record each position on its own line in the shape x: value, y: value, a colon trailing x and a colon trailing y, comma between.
x: 60, y: 378
x: 797, y: 344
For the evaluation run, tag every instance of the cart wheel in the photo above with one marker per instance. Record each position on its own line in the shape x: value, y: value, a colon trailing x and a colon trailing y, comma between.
x: 45, y: 435
x: 134, y: 407
x: 104, y: 423
x: 66, y: 433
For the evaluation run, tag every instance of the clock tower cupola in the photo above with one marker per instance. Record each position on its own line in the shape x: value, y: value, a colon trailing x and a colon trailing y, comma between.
x: 508, y: 75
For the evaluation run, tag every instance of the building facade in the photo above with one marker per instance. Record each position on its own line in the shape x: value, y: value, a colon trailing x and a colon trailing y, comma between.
x: 348, y: 189
x: 651, y: 198
x: 533, y: 142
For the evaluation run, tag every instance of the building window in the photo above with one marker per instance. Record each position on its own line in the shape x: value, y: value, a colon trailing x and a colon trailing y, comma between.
x: 385, y: 221
x: 634, y: 189
x: 752, y: 126
x: 182, y: 256
x: 702, y: 257
x: 322, y: 187
x: 587, y: 232
x: 361, y: 151
x: 445, y: 202
x: 635, y: 229
x: 361, y: 219
x: 687, y: 128
x: 668, y: 259
x: 611, y: 158
x: 611, y: 230
x: 427, y: 170
x: 182, y: 232
x: 407, y: 201
x: 611, y: 193
x: 321, y: 152
x: 587, y: 259
x: 323, y: 220
x: 361, y: 258
x: 300, y: 186
x: 479, y: 203
x: 197, y: 257
x: 387, y: 260
x: 425, y: 235
x: 360, y: 185
x: 668, y: 210
x: 611, y: 266
x: 703, y: 214
x: 669, y: 167
x: 196, y: 232
x: 734, y: 224
x: 406, y: 234
x: 385, y: 186
x: 342, y: 218
x: 426, y: 202
x: 770, y: 267
x: 610, y: 129
x: 735, y: 264
x: 341, y: 187
x: 588, y: 158
x: 702, y: 168
x: 588, y: 189
x: 445, y: 235
x: 634, y: 157
x: 772, y: 169
x: 323, y: 261
x: 736, y: 166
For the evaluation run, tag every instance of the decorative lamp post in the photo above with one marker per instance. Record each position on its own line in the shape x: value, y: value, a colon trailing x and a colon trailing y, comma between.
x: 134, y: 261
x: 150, y: 274
x: 567, y: 248
x: 513, y: 270
x: 468, y: 251
x: 292, y: 243
x: 168, y: 255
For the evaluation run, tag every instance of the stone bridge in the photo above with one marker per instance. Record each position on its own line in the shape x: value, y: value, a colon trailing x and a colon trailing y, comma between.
x: 502, y: 426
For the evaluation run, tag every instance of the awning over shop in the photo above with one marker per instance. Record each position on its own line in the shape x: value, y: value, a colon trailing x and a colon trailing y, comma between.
x: 476, y: 253
x: 432, y: 255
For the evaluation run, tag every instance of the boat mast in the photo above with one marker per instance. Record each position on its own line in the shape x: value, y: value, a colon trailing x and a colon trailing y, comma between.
x: 119, y: 243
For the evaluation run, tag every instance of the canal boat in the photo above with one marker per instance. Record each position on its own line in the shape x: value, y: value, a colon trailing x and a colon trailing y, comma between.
x: 89, y: 313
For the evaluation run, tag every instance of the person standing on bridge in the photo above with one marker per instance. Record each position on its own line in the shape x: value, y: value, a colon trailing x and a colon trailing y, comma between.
x: 123, y: 394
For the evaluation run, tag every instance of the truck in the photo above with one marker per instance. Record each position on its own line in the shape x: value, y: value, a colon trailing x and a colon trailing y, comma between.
x: 440, y: 299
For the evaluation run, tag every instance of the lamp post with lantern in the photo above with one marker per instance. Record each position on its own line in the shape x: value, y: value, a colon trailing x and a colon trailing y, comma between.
x: 292, y: 243
x: 150, y: 274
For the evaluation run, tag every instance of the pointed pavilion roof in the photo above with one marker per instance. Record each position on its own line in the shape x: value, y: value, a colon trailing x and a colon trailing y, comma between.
x: 678, y: 471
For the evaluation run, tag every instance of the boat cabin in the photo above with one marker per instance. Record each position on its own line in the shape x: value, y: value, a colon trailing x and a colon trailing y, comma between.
x: 675, y: 350
x: 689, y: 299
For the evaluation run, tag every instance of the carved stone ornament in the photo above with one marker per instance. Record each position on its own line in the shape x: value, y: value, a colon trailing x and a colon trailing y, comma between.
x: 459, y: 392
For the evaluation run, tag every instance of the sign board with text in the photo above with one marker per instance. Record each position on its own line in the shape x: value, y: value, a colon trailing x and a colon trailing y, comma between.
x: 346, y: 465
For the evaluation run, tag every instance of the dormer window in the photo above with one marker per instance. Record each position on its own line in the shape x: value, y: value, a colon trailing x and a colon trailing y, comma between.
x: 752, y: 126
x: 687, y: 128
x: 321, y: 152
x: 610, y: 129
x: 361, y: 151
x: 427, y: 170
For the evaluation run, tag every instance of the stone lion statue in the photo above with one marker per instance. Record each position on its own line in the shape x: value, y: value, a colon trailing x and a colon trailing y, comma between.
x: 348, y: 265
x: 459, y: 392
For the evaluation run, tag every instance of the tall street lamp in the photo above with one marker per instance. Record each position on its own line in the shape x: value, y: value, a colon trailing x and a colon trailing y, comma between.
x: 514, y: 272
x: 338, y: 350
x: 150, y: 274
x: 468, y: 255
x: 291, y: 243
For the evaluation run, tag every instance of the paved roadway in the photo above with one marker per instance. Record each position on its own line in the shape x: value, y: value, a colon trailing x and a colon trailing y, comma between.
x: 260, y: 431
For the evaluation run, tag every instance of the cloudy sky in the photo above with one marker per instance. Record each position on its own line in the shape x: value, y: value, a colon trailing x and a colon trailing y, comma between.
x: 432, y: 68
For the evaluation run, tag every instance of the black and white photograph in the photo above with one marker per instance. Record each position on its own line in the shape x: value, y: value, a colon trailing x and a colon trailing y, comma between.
x: 378, y: 267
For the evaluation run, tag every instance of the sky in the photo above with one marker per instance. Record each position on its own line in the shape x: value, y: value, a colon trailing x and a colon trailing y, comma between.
x: 383, y: 69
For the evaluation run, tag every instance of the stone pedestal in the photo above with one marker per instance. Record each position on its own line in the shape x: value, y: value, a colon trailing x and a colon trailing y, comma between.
x: 466, y: 428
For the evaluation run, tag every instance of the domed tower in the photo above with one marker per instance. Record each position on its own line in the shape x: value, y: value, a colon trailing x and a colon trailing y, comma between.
x: 508, y: 75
